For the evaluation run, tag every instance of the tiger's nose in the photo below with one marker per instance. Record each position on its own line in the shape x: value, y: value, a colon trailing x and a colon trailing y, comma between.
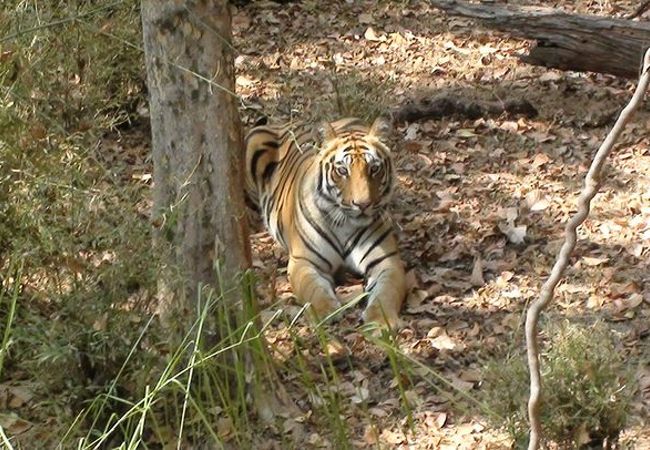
x: 361, y: 204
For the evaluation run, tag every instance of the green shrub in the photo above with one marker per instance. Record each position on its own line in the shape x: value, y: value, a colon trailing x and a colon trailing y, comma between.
x: 70, y: 74
x: 586, y: 387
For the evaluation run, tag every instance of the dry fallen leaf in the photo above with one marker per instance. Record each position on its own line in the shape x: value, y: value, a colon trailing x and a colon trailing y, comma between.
x: 371, y: 35
x: 477, y: 273
x: 335, y: 349
x: 443, y: 342
x: 592, y: 262
x: 462, y: 385
x: 378, y: 412
x: 371, y: 435
x: 393, y: 437
x: 633, y: 301
x: 550, y: 76
x: 361, y: 395
x: 471, y: 375
x: 441, y: 419
x: 516, y: 235
x: 244, y: 81
x: 225, y: 428
x: 13, y: 424
x: 19, y: 396
x: 294, y: 428
x: 510, y: 126
x: 535, y: 202
x: 411, y: 132
x: 466, y: 133
x: 595, y: 302
x: 539, y: 160
x: 540, y: 205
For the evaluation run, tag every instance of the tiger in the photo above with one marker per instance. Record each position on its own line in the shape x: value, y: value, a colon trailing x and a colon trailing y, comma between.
x: 323, y: 193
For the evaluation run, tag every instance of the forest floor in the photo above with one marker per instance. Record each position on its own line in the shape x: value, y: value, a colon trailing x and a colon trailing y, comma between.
x: 480, y: 205
x: 480, y: 208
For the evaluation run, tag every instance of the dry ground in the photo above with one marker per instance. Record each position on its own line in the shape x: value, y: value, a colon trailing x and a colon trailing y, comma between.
x: 480, y: 204
x: 467, y: 192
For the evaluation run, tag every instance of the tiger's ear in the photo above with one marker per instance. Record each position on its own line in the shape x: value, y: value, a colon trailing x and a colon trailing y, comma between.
x: 381, y: 128
x: 326, y: 132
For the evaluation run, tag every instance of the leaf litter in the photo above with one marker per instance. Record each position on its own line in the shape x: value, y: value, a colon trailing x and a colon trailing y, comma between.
x: 480, y: 207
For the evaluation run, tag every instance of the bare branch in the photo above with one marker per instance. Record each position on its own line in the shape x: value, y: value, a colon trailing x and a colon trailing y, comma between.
x: 590, y: 189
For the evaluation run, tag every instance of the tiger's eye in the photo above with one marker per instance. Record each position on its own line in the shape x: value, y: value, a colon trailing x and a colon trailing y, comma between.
x: 374, y: 169
x: 342, y: 171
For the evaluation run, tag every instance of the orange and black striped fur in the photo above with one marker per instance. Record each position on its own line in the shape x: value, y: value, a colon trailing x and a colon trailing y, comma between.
x: 323, y: 195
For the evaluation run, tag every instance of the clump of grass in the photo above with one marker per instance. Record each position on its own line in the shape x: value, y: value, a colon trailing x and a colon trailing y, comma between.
x: 587, y: 388
x: 345, y: 94
x: 8, y: 310
x: 198, y: 395
x: 355, y: 96
x: 69, y: 74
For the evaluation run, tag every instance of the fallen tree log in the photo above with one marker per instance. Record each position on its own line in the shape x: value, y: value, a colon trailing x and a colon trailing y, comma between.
x: 564, y: 41
x: 434, y: 108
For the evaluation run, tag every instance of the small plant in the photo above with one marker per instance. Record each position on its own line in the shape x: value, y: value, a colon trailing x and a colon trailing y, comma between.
x: 348, y: 94
x: 355, y: 96
x: 586, y: 387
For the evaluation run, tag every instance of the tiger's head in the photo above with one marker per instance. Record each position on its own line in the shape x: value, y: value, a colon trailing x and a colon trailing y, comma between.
x: 356, y: 170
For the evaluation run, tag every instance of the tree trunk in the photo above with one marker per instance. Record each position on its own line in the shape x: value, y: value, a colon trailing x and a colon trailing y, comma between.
x: 196, y: 140
x: 564, y: 41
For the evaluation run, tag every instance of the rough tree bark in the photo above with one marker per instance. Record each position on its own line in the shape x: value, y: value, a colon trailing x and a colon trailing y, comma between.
x: 592, y: 182
x: 196, y: 140
x: 198, y: 167
x: 564, y: 41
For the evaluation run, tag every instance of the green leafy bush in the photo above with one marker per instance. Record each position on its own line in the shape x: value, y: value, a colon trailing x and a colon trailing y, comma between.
x: 587, y: 387
x: 70, y: 73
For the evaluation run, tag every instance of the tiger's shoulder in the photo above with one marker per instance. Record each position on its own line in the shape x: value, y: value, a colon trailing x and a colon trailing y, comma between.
x: 267, y: 145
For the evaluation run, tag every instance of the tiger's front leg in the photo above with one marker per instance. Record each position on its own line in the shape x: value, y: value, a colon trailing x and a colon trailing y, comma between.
x: 377, y: 257
x: 311, y: 285
x: 386, y: 288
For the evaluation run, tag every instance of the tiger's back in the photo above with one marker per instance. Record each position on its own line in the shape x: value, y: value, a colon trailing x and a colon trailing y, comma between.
x: 275, y: 157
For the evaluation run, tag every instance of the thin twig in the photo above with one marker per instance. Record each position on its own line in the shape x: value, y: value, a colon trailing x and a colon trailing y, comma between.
x: 167, y: 61
x: 643, y: 7
x: 5, y: 440
x: 590, y: 189
x: 59, y: 22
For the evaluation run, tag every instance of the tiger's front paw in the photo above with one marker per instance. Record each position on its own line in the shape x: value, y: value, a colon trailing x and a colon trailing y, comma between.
x: 385, y: 317
x: 322, y: 307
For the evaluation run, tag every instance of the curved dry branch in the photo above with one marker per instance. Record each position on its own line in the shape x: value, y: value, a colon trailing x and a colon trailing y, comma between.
x: 590, y: 189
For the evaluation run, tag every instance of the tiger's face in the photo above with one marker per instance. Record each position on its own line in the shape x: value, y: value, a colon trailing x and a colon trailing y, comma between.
x: 356, y: 172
